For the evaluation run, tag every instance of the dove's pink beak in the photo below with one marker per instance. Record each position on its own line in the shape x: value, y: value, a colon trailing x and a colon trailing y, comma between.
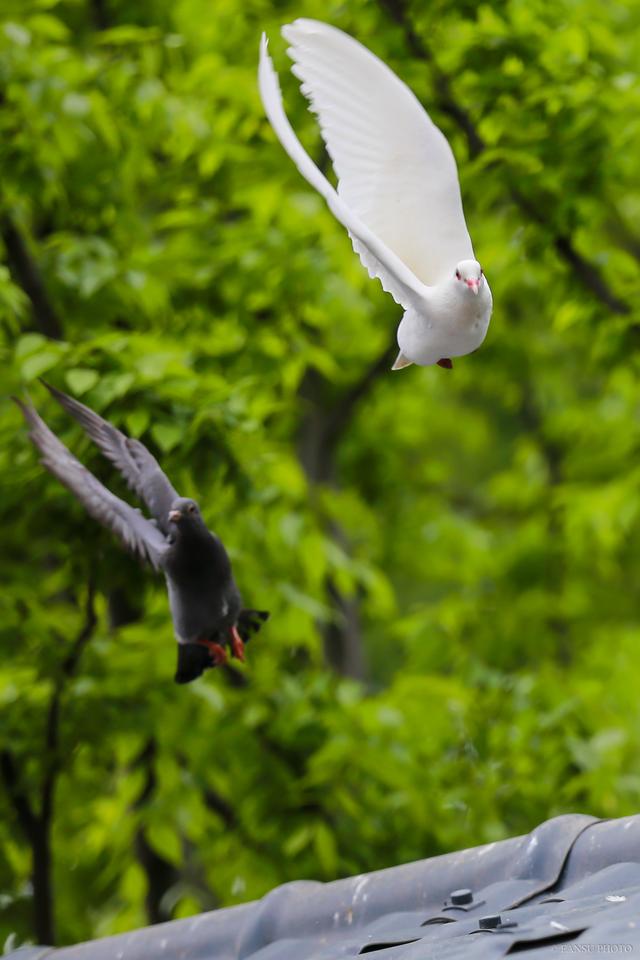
x: 473, y: 285
x: 174, y: 516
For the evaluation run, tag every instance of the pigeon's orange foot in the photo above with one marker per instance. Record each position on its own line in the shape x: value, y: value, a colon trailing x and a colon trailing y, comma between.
x: 237, y: 644
x: 446, y: 363
x: 218, y: 652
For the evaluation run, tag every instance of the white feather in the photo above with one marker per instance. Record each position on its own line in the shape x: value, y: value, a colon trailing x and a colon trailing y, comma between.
x: 398, y: 193
x: 380, y: 261
x: 395, y: 169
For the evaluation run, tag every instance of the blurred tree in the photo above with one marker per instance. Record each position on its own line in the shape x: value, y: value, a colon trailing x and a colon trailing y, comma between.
x: 458, y: 548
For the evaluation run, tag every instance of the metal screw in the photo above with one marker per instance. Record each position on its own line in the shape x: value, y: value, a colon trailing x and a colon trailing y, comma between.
x: 490, y: 923
x: 460, y: 898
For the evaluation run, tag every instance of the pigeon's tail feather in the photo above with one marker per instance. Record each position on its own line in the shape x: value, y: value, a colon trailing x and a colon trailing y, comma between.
x: 193, y: 660
x: 250, y: 621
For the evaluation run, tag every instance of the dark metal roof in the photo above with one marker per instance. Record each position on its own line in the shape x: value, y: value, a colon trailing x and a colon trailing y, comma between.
x: 571, y: 886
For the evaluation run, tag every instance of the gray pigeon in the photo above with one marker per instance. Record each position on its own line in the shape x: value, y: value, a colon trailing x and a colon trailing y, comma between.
x: 206, y: 607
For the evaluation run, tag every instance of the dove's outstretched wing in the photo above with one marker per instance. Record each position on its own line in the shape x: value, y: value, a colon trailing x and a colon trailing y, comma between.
x: 136, y: 532
x: 139, y: 468
x: 381, y: 262
x: 396, y: 172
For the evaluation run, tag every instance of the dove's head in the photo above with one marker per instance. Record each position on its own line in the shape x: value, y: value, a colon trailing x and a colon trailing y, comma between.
x: 469, y: 272
x: 185, y: 515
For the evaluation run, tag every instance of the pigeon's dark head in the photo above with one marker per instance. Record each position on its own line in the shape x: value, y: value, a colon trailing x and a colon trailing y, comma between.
x: 469, y: 272
x: 185, y: 515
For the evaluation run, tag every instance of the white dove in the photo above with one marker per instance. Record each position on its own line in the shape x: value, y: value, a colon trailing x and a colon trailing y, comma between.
x: 398, y: 192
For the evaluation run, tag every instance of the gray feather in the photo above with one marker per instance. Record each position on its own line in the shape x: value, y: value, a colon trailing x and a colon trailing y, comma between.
x: 136, y: 532
x: 140, y: 469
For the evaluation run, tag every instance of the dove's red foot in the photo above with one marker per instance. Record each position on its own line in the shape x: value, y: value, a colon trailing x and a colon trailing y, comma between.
x: 218, y: 653
x: 446, y: 363
x: 237, y: 644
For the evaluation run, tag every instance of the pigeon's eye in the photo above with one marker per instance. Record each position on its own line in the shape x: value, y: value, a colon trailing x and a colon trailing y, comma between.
x: 458, y: 274
x: 191, y: 508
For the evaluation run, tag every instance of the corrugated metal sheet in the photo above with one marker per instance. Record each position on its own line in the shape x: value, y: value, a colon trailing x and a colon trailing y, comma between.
x: 571, y: 887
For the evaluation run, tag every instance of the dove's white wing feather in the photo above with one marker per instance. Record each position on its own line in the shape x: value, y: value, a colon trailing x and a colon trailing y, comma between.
x: 380, y: 261
x: 395, y: 169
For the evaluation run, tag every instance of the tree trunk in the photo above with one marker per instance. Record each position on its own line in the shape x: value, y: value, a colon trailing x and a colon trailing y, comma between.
x: 43, y: 910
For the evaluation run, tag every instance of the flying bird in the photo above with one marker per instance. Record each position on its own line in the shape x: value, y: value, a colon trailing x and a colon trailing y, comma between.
x: 206, y: 607
x: 398, y: 193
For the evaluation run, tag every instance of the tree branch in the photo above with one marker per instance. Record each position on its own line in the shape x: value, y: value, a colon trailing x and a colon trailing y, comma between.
x: 343, y: 410
x: 320, y: 433
x: 622, y: 235
x: 100, y: 14
x: 225, y: 810
x: 588, y: 274
x: 161, y: 874
x: 533, y: 421
x: 218, y: 805
x: 26, y: 273
x: 326, y: 419
x: 37, y: 825
x: 67, y: 671
x: 19, y: 800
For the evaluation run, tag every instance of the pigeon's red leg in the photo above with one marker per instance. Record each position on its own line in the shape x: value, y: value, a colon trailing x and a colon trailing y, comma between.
x: 237, y: 644
x: 218, y: 652
x: 446, y: 363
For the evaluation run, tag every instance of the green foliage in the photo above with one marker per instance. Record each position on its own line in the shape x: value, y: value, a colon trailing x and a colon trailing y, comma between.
x: 483, y: 523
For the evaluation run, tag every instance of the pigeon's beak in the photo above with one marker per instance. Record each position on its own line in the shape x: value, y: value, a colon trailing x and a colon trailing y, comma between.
x: 174, y: 516
x: 473, y: 285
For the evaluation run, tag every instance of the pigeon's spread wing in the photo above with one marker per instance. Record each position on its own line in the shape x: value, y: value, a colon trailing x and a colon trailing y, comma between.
x: 137, y: 533
x: 381, y: 262
x: 139, y: 468
x: 395, y: 169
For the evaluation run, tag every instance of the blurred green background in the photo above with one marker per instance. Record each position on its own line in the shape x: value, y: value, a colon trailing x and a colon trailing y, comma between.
x: 450, y: 558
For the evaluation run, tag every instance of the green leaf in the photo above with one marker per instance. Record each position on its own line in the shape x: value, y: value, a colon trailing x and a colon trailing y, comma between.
x: 137, y: 422
x: 38, y: 363
x: 17, y: 34
x: 29, y: 343
x: 80, y: 380
x: 325, y: 847
x: 167, y: 435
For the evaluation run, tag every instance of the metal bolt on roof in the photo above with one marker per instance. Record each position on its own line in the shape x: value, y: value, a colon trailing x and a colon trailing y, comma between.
x: 461, y: 897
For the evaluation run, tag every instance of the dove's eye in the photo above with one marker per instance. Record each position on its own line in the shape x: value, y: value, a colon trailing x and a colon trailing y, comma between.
x: 458, y: 274
x: 191, y: 508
